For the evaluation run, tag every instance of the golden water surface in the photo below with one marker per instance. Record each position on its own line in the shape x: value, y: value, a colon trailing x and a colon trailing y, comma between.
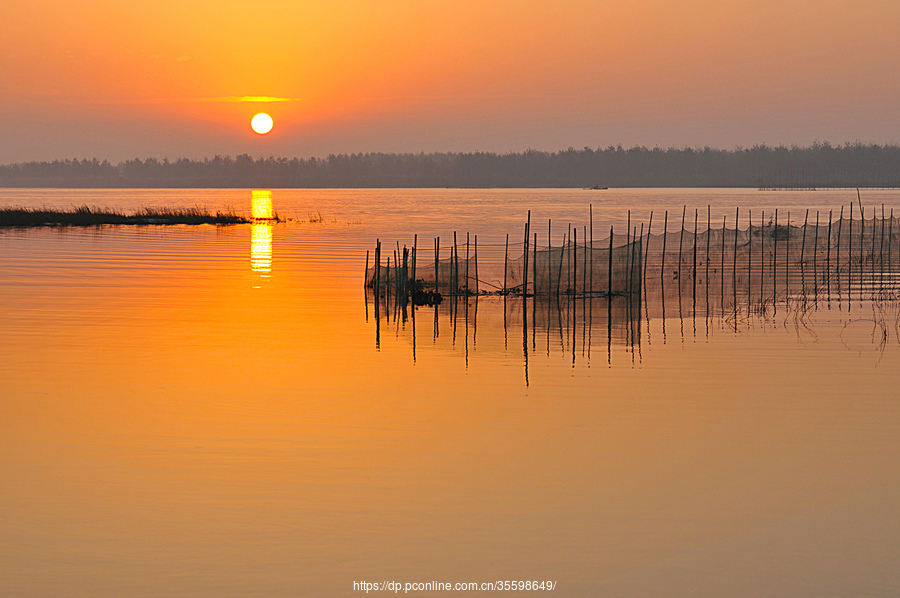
x: 202, y: 411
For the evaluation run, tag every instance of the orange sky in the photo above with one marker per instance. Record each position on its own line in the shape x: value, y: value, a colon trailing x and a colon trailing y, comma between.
x: 126, y: 78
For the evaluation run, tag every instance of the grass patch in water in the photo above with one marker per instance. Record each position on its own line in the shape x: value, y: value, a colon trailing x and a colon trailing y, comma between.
x: 94, y: 216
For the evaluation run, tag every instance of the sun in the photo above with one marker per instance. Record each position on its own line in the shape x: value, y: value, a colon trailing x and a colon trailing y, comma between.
x: 261, y: 123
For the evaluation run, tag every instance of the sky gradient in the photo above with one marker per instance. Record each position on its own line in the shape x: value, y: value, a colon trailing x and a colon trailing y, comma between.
x: 126, y: 79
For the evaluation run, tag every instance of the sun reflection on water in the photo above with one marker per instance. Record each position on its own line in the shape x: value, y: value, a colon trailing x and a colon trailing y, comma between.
x: 261, y: 248
x: 261, y: 233
x: 261, y: 205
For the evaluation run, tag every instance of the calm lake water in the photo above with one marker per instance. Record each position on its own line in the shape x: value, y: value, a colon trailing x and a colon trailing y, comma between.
x: 207, y: 411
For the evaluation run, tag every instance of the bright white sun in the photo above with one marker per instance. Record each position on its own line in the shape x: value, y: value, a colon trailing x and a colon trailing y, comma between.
x: 262, y: 123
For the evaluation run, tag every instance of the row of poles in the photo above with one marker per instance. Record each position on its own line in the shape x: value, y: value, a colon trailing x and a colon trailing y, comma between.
x: 872, y: 254
x: 397, y: 274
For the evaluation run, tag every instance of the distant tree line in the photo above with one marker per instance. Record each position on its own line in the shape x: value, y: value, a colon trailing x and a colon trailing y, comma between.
x: 819, y: 165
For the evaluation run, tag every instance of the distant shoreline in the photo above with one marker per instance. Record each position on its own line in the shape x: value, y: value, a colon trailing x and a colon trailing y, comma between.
x: 819, y: 166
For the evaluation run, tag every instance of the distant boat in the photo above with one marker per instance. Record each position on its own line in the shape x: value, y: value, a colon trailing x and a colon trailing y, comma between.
x: 595, y: 188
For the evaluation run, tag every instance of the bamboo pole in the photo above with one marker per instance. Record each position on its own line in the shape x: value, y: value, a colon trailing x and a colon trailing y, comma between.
x: 850, y: 249
x: 455, y: 262
x: 640, y: 280
x: 525, y: 257
x: 787, y: 256
x: 415, y: 248
x: 803, y: 252
x: 737, y: 214
x: 872, y: 251
x: 467, y: 262
x: 377, y: 274
x: 749, y: 253
x: 574, y: 262
x: 549, y: 258
x: 837, y: 257
x: 506, y: 265
x: 584, y: 277
x: 724, y: 220
x: 477, y: 286
x: 647, y: 250
x: 874, y: 225
x: 366, y: 277
x: 694, y: 268
x: 828, y: 256
x: 681, y: 243
x: 708, y: 236
x: 881, y: 248
x: 610, y: 273
x: 591, y: 218
x: 405, y: 271
x: 634, y: 254
x: 559, y: 270
x: 396, y: 275
x: 662, y: 267
x: 890, y: 238
x: 775, y: 258
x: 628, y: 253
x: 816, y: 257
x: 762, y: 254
x: 568, y: 251
x: 377, y: 269
x: 388, y: 287
x: 437, y: 261
x: 535, y: 271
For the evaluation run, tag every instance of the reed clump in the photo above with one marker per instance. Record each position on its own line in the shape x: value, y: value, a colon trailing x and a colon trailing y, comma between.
x: 95, y: 216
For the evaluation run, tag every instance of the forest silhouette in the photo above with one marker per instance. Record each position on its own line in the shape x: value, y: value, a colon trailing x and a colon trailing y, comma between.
x: 820, y: 165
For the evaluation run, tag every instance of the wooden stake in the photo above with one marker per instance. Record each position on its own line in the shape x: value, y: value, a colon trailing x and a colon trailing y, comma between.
x: 366, y: 278
x: 437, y: 261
